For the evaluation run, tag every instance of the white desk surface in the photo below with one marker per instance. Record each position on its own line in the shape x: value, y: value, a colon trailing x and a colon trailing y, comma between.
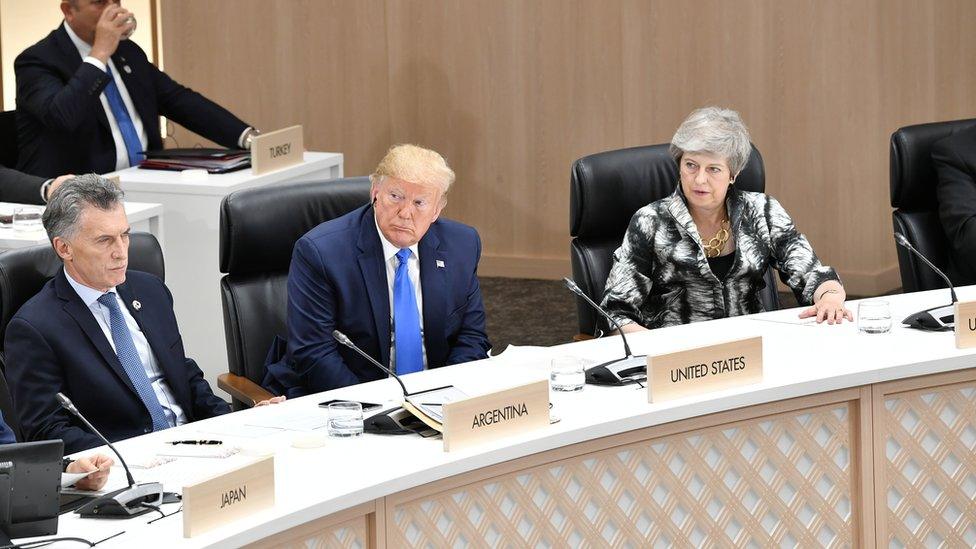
x: 799, y: 360
x: 136, y: 179
x: 10, y: 239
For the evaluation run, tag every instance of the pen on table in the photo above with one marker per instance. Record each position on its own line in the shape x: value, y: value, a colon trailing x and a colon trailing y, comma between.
x: 200, y: 442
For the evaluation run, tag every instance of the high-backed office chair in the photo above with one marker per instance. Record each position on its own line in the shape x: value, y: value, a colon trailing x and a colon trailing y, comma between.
x: 8, y: 139
x: 10, y: 416
x: 258, y: 229
x: 606, y: 189
x: 913, y: 182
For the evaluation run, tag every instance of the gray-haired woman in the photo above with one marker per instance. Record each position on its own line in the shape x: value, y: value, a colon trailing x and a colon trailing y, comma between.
x: 700, y: 253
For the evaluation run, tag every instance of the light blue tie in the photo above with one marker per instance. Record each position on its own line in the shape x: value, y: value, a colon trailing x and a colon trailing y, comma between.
x: 129, y: 357
x: 133, y: 146
x: 406, y: 319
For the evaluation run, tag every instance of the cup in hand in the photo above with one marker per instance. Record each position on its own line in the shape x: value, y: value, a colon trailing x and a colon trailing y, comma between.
x: 130, y: 20
x: 873, y: 317
x: 27, y: 219
x: 567, y: 374
x: 345, y: 419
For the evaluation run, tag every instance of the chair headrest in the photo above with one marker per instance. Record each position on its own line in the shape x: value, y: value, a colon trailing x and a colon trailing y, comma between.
x: 259, y: 227
x: 608, y: 187
x: 911, y: 170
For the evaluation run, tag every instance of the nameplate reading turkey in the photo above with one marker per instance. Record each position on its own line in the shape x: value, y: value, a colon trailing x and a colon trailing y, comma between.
x: 704, y: 369
x: 278, y: 149
x: 965, y: 324
x: 489, y: 417
x: 228, y: 497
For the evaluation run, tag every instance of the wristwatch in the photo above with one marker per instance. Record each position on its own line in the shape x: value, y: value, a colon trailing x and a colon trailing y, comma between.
x: 249, y: 136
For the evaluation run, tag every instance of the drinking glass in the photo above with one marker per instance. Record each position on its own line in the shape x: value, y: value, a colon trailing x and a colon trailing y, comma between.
x: 567, y: 374
x: 345, y: 419
x: 27, y: 219
x: 873, y: 317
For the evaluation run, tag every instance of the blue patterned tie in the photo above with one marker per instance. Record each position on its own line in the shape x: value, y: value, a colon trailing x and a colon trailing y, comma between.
x: 129, y: 357
x: 132, y: 144
x: 406, y: 318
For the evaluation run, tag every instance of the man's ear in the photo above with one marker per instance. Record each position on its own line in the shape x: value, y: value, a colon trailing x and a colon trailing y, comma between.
x: 62, y: 248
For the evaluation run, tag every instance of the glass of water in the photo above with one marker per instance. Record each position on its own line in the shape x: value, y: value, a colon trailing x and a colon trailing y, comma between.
x: 873, y: 317
x: 345, y: 419
x: 27, y: 219
x: 567, y: 374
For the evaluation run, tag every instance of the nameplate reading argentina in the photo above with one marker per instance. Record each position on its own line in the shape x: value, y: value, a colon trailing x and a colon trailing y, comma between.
x: 704, y: 369
x: 965, y: 324
x: 278, y: 149
x: 485, y: 418
x: 227, y: 497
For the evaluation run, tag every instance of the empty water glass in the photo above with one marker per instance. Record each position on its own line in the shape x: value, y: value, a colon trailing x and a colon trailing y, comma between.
x: 27, y: 219
x: 873, y: 317
x: 567, y: 374
x: 345, y: 419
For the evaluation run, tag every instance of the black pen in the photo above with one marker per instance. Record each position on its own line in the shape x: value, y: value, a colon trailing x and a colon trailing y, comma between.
x: 201, y: 442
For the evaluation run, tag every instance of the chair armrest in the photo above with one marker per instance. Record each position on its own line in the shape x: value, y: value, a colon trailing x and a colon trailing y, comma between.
x: 242, y: 389
x: 582, y: 337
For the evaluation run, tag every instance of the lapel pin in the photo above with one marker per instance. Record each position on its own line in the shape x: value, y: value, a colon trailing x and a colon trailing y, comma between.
x: 439, y: 263
x: 127, y: 69
x: 136, y: 305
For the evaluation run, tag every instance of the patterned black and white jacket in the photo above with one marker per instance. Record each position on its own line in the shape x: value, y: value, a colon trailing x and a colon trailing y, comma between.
x: 660, y: 276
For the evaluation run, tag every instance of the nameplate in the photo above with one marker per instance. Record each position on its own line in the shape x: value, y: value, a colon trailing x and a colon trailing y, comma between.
x: 965, y: 324
x: 228, y: 497
x: 278, y: 149
x: 704, y: 369
x: 489, y: 417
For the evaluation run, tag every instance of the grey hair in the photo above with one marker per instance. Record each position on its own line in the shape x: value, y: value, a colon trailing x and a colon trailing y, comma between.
x: 714, y: 130
x: 64, y: 209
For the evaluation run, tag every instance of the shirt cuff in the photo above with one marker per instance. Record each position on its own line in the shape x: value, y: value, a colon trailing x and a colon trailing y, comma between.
x: 240, y: 140
x: 101, y: 66
x: 44, y: 187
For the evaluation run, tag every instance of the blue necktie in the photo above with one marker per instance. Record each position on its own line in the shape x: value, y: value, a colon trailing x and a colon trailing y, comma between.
x: 406, y: 319
x: 132, y: 144
x: 129, y: 357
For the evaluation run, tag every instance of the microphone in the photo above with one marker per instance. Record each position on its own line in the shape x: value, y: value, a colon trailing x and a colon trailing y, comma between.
x: 342, y: 338
x: 126, y: 502
x: 616, y: 372
x: 936, y: 319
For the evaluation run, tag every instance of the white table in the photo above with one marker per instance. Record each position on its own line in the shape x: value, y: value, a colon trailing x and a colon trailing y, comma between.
x: 143, y: 217
x: 746, y: 460
x: 192, y: 247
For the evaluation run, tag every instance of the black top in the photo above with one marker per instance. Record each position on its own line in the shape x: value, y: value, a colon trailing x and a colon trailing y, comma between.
x: 721, y: 265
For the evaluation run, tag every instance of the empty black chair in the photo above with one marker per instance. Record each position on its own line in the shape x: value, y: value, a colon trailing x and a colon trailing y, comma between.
x: 8, y: 139
x: 258, y: 230
x: 913, y: 182
x: 606, y: 189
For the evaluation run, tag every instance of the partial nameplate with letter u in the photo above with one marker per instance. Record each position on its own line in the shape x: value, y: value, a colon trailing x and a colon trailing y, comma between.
x: 704, y: 369
x: 495, y: 415
x: 965, y: 324
x: 228, y: 496
x: 278, y: 149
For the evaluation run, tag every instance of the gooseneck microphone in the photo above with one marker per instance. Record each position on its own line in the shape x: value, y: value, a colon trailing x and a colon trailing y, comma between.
x: 936, y: 319
x: 126, y: 502
x: 342, y: 338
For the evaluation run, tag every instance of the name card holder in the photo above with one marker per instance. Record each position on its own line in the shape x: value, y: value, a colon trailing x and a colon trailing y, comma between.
x: 965, y: 324
x: 229, y: 496
x: 489, y: 417
x: 704, y: 369
x: 278, y: 149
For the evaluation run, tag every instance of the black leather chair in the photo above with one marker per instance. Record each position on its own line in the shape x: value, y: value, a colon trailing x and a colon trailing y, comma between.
x: 8, y: 139
x: 10, y: 416
x: 916, y: 215
x: 606, y: 189
x: 258, y: 229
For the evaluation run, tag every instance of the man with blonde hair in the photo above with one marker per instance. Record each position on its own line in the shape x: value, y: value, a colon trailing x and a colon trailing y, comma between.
x: 391, y: 275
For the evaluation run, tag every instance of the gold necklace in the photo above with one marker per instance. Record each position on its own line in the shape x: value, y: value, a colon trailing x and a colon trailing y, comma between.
x: 717, y: 243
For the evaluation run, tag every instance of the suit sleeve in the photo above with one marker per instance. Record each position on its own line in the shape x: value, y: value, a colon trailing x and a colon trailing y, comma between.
x: 60, y: 106
x: 956, y: 191
x: 20, y: 187
x: 793, y: 256
x: 312, y: 350
x: 471, y: 342
x: 35, y: 378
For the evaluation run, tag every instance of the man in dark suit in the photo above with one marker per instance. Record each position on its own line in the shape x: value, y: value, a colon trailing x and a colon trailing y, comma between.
x: 25, y: 188
x: 398, y: 281
x: 88, y: 100
x: 955, y: 161
x: 104, y: 336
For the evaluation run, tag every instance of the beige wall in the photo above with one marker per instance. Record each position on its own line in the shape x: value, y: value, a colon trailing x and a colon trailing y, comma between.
x: 513, y: 91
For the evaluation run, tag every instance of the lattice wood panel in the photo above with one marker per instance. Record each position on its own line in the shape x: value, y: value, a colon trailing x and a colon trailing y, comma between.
x: 780, y: 481
x: 930, y: 467
x: 346, y: 535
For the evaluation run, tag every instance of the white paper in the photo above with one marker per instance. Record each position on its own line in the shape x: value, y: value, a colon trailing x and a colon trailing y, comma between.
x: 302, y: 419
x: 68, y: 479
x: 198, y: 450
x: 432, y: 402
x: 242, y: 431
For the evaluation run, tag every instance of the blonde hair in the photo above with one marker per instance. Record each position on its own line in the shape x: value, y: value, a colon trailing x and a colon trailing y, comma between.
x: 415, y: 165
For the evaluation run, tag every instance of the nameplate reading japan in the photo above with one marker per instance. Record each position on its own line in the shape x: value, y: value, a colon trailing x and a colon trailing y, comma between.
x: 704, y: 369
x: 228, y: 497
x: 489, y: 417
x: 965, y: 324
x: 278, y: 149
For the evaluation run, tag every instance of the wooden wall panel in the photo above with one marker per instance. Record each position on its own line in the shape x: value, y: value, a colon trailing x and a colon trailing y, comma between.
x: 513, y: 91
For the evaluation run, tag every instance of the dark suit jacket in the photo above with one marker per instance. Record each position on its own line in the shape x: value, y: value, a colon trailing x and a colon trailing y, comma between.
x: 337, y: 280
x: 62, y: 126
x: 20, y: 187
x: 54, y: 344
x: 955, y: 160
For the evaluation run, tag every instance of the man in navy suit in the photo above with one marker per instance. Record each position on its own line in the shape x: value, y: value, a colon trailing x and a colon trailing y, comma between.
x: 88, y: 100
x: 399, y: 282
x: 105, y: 336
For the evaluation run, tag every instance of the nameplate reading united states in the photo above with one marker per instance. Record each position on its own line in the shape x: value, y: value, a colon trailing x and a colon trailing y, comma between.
x: 227, y: 497
x: 965, y: 324
x: 704, y: 369
x: 278, y: 149
x: 489, y: 417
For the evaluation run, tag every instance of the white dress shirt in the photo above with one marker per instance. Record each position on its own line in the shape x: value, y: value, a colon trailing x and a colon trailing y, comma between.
x: 121, y: 153
x: 413, y: 271
x: 89, y: 296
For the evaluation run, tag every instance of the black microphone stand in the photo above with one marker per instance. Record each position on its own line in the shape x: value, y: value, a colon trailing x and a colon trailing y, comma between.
x: 936, y: 319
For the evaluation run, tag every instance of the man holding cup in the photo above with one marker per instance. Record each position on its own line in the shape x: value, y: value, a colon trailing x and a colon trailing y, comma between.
x: 89, y: 100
